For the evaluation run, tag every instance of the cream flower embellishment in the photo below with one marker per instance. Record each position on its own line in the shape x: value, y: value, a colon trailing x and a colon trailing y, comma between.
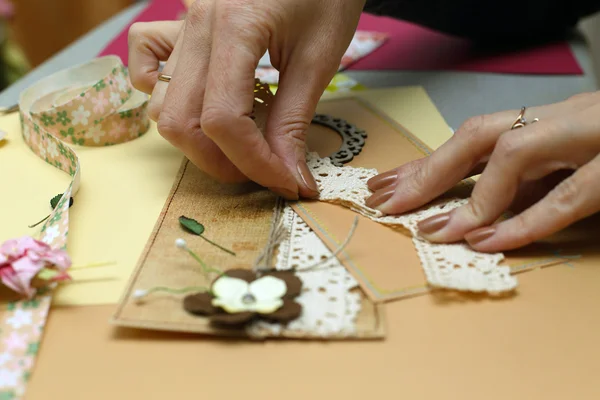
x: 239, y: 296
x: 262, y: 296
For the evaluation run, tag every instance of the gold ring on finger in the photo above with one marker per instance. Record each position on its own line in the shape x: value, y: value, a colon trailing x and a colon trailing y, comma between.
x: 164, y: 78
x: 521, y: 121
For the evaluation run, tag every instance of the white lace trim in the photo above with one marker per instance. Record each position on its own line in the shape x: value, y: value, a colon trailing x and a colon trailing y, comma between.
x: 328, y: 306
x: 449, y: 266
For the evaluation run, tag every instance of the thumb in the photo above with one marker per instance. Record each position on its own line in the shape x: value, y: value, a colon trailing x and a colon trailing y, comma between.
x: 300, y: 88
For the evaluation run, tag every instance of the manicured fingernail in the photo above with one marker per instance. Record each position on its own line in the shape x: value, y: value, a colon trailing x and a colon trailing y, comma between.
x: 285, y: 193
x: 434, y: 224
x: 382, y: 180
x: 379, y: 198
x: 308, y: 179
x: 479, y: 235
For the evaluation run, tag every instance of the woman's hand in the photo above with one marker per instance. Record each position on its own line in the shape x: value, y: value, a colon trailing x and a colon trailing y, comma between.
x: 548, y: 172
x: 205, y: 109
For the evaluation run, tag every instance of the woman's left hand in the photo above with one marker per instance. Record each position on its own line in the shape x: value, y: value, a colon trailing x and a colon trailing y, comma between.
x: 548, y: 172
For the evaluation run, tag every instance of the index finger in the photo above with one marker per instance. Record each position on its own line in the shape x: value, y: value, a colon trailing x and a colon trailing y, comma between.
x: 228, y: 102
x: 417, y: 183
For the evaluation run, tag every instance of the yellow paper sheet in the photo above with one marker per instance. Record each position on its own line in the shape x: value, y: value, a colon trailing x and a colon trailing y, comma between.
x: 124, y: 187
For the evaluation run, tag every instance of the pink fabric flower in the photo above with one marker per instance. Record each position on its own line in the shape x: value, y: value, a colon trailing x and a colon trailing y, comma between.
x: 22, y: 259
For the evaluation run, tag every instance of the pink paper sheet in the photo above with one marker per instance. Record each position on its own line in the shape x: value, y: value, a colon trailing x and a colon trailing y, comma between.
x: 408, y: 47
x: 412, y: 47
x: 157, y: 10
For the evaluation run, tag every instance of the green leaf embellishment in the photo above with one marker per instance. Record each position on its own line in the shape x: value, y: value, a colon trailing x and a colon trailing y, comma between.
x: 195, y: 227
x: 192, y: 225
x: 54, y: 202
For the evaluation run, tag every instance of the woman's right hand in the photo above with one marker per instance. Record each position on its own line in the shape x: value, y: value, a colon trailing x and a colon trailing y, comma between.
x: 212, y: 57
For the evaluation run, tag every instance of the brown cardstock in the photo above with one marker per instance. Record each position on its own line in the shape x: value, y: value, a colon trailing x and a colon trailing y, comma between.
x: 384, y: 260
x: 237, y: 217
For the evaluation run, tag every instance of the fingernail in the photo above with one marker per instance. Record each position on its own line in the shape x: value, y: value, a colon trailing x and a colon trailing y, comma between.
x: 308, y: 179
x: 285, y: 193
x: 434, y: 224
x: 479, y: 235
x: 379, y: 198
x: 382, y: 180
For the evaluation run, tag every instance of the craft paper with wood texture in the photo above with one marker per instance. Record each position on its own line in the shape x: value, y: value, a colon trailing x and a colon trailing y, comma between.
x: 237, y: 217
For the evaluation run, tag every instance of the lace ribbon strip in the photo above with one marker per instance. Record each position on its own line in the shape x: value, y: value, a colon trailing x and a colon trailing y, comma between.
x: 448, y: 266
x: 329, y: 308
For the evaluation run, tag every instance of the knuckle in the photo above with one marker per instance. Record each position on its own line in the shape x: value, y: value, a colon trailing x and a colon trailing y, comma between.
x: 191, y: 128
x: 197, y: 12
x: 472, y: 125
x: 565, y: 196
x: 135, y: 31
x: 139, y: 36
x: 419, y: 170
x: 246, y: 20
x: 216, y: 121
x: 470, y: 130
x: 476, y: 208
x: 170, y: 126
x: 523, y: 228
x: 417, y: 175
x: 295, y: 134
x: 294, y: 124
x: 510, y: 146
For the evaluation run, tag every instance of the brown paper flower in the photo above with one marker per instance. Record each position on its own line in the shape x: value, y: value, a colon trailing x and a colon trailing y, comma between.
x: 239, y: 295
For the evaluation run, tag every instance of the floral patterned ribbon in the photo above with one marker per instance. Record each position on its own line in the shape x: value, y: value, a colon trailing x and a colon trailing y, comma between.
x: 92, y: 104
